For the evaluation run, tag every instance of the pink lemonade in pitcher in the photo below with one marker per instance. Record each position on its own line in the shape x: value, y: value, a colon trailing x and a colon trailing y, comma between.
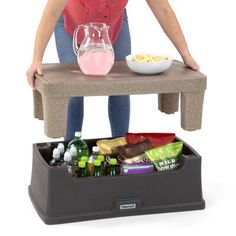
x: 95, y: 55
x: 96, y: 62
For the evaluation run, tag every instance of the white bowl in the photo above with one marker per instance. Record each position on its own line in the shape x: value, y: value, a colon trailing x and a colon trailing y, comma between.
x: 148, y: 68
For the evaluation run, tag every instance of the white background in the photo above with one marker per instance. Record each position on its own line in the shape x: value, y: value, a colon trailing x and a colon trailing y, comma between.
x: 209, y: 29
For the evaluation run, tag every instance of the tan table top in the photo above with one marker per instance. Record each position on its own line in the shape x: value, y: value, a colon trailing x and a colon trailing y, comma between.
x: 66, y: 80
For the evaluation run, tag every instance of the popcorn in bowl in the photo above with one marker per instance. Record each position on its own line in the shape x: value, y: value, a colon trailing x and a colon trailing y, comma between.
x: 148, y: 58
x: 148, y: 63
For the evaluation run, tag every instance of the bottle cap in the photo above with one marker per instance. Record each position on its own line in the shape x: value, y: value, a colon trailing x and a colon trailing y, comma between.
x: 84, y: 158
x: 113, y: 161
x: 82, y: 164
x: 95, y: 149
x: 73, y: 150
x: 56, y: 153
x: 78, y: 134
x: 101, y: 158
x: 61, y: 147
x: 67, y: 157
x: 97, y: 163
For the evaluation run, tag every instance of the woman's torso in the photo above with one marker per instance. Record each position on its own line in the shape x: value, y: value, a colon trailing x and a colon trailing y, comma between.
x: 85, y: 11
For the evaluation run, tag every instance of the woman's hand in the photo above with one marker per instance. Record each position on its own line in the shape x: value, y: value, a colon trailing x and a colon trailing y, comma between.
x: 190, y: 62
x: 51, y: 13
x: 169, y: 23
x: 35, y: 68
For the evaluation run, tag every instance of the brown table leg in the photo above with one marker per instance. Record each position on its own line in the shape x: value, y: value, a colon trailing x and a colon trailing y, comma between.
x: 168, y: 102
x: 38, y: 106
x: 191, y: 110
x: 55, y: 116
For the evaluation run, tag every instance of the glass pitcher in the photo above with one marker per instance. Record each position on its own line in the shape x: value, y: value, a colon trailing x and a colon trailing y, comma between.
x: 95, y: 55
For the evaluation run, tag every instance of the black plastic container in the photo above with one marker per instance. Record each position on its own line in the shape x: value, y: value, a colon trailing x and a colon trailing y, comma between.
x: 60, y: 198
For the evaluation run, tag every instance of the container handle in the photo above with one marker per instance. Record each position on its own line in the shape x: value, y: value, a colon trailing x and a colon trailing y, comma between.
x: 75, y: 37
x: 128, y: 204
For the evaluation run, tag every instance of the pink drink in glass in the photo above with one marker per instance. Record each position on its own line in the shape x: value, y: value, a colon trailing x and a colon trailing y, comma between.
x: 96, y: 62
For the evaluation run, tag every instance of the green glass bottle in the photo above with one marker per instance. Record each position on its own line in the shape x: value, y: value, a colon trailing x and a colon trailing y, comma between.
x: 85, y: 159
x: 101, y: 158
x: 97, y: 168
x: 82, y: 147
x: 82, y: 169
x: 112, y: 169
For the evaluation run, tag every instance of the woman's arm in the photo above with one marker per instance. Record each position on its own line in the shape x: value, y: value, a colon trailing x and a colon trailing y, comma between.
x: 46, y: 26
x: 169, y: 23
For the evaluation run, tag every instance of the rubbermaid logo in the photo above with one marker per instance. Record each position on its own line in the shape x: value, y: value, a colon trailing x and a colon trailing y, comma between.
x: 127, y: 206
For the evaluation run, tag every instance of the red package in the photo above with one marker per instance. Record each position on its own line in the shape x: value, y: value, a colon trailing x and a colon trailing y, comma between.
x: 156, y: 139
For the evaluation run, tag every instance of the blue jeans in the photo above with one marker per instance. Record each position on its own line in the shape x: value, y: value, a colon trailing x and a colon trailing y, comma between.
x: 118, y: 106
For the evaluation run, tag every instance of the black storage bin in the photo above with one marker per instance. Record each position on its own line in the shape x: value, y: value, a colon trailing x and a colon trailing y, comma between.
x: 60, y: 198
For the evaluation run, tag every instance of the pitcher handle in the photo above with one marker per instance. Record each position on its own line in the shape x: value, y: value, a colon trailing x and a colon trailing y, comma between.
x: 75, y: 37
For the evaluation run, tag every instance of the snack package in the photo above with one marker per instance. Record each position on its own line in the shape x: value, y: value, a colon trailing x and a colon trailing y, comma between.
x: 136, y: 159
x: 166, y: 157
x: 138, y: 168
x: 133, y: 149
x: 156, y: 139
x: 106, y: 145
